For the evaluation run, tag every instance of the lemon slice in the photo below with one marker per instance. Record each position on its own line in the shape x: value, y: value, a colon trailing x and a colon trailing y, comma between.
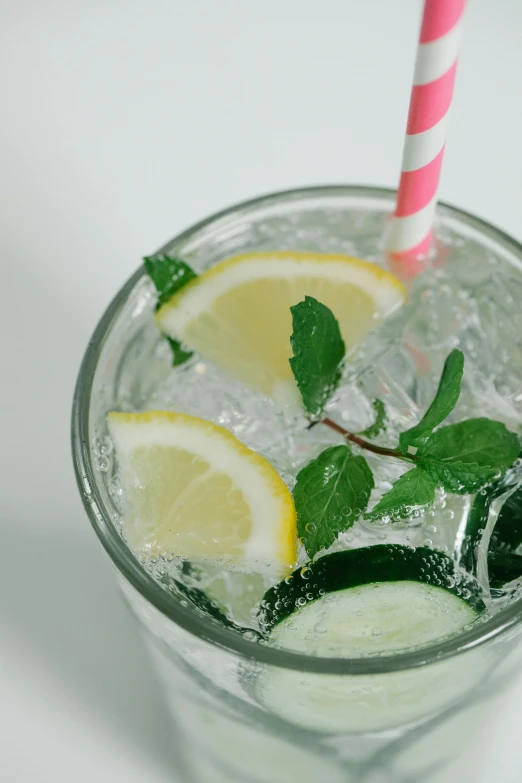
x: 192, y: 489
x: 237, y: 314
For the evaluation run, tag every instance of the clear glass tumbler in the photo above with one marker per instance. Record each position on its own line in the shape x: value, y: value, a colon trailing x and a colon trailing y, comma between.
x: 244, y: 712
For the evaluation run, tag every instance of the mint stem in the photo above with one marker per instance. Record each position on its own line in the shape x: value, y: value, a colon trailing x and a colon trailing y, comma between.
x: 364, y: 444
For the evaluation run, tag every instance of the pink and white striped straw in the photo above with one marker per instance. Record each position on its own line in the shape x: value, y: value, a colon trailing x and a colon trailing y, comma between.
x: 410, y: 233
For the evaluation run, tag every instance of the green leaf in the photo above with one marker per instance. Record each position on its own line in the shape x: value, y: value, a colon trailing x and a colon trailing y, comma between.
x: 474, y: 441
x: 442, y: 405
x: 318, y: 350
x: 167, y: 274
x: 460, y: 478
x: 412, y: 490
x: 179, y: 354
x: 380, y: 420
x: 331, y: 493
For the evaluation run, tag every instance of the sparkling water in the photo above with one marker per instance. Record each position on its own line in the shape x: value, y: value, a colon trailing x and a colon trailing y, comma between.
x: 390, y: 727
x: 467, y: 298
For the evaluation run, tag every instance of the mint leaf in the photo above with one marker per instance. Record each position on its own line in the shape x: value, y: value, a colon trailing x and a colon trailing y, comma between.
x: 331, y: 492
x: 460, y: 478
x: 412, y: 490
x: 380, y: 420
x: 479, y: 441
x: 179, y: 354
x: 442, y: 405
x: 318, y: 350
x: 167, y: 274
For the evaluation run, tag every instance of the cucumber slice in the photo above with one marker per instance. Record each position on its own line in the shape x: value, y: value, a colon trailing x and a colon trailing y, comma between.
x: 370, y: 601
x: 377, y: 618
x: 341, y: 571
x: 204, y: 604
x: 508, y: 530
x: 494, y: 524
x: 503, y: 568
x: 504, y: 558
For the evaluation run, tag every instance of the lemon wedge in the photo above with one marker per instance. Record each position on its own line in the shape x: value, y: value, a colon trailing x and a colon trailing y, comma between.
x: 237, y: 313
x: 192, y: 489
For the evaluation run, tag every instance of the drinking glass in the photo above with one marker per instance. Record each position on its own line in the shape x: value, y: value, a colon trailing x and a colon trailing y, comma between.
x: 242, y: 710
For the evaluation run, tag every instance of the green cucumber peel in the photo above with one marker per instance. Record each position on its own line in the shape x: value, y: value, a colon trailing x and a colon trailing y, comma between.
x: 367, y: 565
x: 200, y: 601
x: 503, y: 568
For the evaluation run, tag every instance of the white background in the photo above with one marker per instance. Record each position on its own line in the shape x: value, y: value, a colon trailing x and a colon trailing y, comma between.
x: 123, y: 122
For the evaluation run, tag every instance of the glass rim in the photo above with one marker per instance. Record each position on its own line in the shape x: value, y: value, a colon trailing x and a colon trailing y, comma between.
x: 188, y: 619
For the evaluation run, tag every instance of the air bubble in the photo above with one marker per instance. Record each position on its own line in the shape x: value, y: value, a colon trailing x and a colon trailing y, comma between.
x: 102, y: 446
x: 103, y: 464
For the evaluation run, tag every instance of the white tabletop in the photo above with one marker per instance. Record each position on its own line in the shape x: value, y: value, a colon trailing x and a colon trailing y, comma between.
x: 123, y: 122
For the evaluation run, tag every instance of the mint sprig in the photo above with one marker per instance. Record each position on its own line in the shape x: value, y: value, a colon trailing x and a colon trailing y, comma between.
x: 443, y: 403
x: 179, y: 354
x: 412, y: 491
x: 460, y: 478
x: 331, y: 493
x: 318, y: 352
x: 460, y: 458
x: 169, y: 275
x: 474, y: 441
